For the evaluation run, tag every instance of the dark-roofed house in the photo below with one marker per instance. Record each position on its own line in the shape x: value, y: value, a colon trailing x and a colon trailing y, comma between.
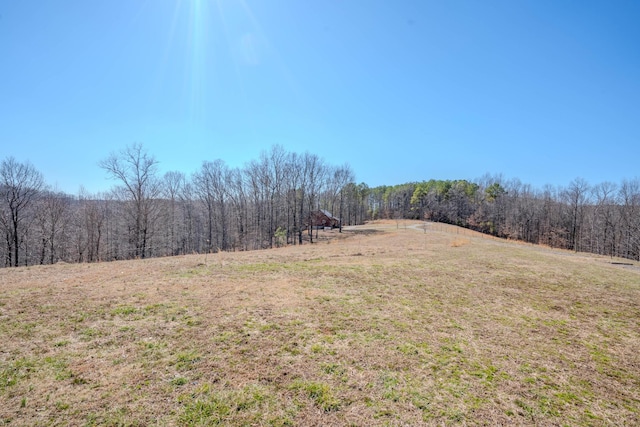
x: 322, y: 218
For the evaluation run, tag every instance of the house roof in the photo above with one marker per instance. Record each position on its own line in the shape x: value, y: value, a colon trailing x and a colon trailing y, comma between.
x: 327, y: 213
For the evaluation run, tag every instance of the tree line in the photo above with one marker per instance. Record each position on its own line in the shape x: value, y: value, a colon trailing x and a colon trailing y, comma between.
x: 266, y: 203
x: 269, y: 202
x: 603, y: 218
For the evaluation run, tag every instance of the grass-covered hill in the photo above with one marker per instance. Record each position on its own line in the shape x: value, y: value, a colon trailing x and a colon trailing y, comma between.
x: 385, y: 324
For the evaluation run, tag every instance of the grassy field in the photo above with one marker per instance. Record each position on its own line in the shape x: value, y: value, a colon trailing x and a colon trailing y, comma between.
x: 386, y: 324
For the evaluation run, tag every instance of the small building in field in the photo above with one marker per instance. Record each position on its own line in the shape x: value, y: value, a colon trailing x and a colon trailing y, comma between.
x: 321, y: 219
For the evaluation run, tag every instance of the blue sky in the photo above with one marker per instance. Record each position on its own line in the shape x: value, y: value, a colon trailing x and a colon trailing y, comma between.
x: 542, y: 91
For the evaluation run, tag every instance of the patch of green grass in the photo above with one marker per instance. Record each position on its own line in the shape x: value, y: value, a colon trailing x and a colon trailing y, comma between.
x: 567, y: 398
x: 156, y: 308
x: 88, y: 334
x: 124, y: 311
x: 547, y: 405
x: 319, y: 392
x: 27, y: 329
x: 78, y: 380
x: 249, y: 405
x: 61, y: 406
x: 591, y: 416
x: 179, y: 381
x: 599, y: 354
x: 455, y: 415
x: 605, y: 364
x: 333, y: 369
x: 526, y: 409
x: 191, y: 320
x: 422, y: 402
x: 155, y: 350
x: 383, y: 413
x: 185, y: 360
x: 78, y: 317
x: 390, y: 383
x: 17, y: 327
x: 13, y: 373
x: 408, y: 349
x: 205, y: 412
x: 200, y: 270
x: 269, y: 327
x: 59, y: 366
x: 292, y: 348
x: 451, y: 347
x: 116, y: 416
x: 487, y: 373
x: 449, y: 357
x: 225, y: 337
x: 262, y: 267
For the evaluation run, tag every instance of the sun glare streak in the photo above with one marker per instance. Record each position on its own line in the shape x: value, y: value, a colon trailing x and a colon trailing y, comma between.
x: 218, y: 46
x: 196, y: 72
x: 166, y: 57
x: 271, y: 50
x: 234, y: 59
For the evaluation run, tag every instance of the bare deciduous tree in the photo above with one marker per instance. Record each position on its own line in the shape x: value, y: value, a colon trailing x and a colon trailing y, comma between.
x: 20, y: 184
x: 146, y: 215
x: 630, y: 212
x: 339, y: 178
x: 52, y: 217
x: 210, y: 186
x: 315, y: 170
x: 576, y: 196
x: 172, y: 184
x: 136, y: 170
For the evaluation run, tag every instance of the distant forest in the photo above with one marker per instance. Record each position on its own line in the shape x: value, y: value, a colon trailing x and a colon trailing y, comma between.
x: 271, y: 200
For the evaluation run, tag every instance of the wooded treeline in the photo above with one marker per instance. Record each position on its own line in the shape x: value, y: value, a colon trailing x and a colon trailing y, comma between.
x: 602, y: 218
x: 269, y: 201
x: 264, y: 204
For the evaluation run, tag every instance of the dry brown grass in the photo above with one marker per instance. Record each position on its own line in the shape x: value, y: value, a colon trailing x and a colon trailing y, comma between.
x: 456, y: 243
x: 386, y: 325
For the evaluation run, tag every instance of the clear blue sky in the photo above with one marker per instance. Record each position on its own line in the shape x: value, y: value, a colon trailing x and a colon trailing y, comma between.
x: 543, y: 91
